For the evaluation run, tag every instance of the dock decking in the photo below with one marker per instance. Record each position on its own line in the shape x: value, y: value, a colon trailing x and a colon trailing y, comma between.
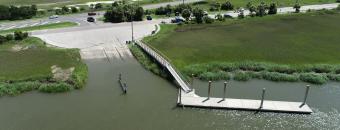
x: 192, y: 100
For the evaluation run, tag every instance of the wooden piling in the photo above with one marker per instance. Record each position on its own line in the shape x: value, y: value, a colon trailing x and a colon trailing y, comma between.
x: 262, y: 98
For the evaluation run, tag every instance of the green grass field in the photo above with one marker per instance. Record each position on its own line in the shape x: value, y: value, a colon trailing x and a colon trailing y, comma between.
x: 41, y: 27
x: 293, y: 40
x: 29, y: 68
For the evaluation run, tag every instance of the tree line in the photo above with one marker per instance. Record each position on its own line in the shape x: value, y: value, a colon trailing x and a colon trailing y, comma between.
x: 121, y: 12
x: 17, y: 13
x: 17, y: 35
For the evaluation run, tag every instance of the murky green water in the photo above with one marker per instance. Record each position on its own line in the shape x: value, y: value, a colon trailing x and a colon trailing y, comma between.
x: 150, y: 104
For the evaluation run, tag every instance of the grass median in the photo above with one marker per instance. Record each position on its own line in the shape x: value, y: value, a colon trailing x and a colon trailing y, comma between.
x: 277, y: 48
x: 41, y: 27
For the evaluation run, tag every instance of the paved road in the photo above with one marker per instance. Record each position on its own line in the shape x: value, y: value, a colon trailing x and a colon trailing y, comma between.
x: 77, y: 18
x: 98, y: 41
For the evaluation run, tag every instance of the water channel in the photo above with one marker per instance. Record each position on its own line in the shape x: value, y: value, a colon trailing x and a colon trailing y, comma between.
x: 151, y: 104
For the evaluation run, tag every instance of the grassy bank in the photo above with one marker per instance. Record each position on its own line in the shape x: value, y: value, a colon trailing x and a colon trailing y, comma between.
x: 41, y: 27
x: 276, y: 48
x: 28, y: 65
x: 147, y: 61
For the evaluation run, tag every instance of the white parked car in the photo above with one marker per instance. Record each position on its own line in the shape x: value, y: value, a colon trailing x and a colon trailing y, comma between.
x: 53, y: 16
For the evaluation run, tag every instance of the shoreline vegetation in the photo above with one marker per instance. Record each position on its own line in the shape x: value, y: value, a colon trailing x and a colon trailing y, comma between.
x: 284, y: 60
x: 30, y: 65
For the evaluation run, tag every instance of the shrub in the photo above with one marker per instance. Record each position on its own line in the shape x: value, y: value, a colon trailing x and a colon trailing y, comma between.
x: 208, y: 20
x: 251, y: 66
x: 313, y: 78
x: 9, y: 37
x: 19, y: 35
x: 79, y: 76
x: 98, y: 6
x: 74, y: 10
x: 275, y: 76
x: 322, y: 68
x: 55, y: 87
x: 214, y: 76
x: 215, y: 6
x: 196, y: 69
x: 272, y: 8
x: 338, y: 1
x: 241, y: 76
x: 2, y: 39
x: 334, y: 77
x: 282, y: 69
x: 227, y: 6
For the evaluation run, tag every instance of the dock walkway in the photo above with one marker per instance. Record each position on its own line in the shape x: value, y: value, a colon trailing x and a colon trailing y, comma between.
x: 192, y: 100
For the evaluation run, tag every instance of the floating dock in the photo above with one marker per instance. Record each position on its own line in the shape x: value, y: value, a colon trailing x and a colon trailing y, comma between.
x: 192, y: 100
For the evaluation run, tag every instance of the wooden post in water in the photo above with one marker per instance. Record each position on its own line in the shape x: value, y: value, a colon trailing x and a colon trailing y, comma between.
x: 209, y: 87
x: 224, y: 90
x: 263, y: 92
x: 306, y: 95
x: 192, y: 81
x: 120, y: 77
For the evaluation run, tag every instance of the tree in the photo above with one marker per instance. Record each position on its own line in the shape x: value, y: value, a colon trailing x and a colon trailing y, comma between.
x: 198, y: 14
x: 297, y: 7
x: 241, y: 14
x: 4, y: 12
x: 168, y: 10
x: 65, y: 9
x: 186, y: 14
x: 2, y: 39
x: 215, y: 6
x: 261, y: 10
x: 160, y: 11
x: 252, y: 10
x: 227, y: 6
x: 98, y: 6
x: 181, y: 7
x: 139, y: 13
x: 9, y: 37
x: 74, y: 9
x: 115, y: 4
x: 272, y: 8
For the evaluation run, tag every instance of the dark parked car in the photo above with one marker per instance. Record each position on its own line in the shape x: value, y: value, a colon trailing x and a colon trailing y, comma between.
x: 90, y: 19
x: 148, y: 17
x: 91, y: 13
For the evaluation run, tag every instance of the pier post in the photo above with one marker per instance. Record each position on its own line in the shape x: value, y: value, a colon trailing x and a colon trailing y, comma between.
x: 224, y: 90
x: 180, y: 96
x: 120, y: 77
x: 209, y: 87
x: 262, y: 98
x: 306, y: 95
x: 192, y: 81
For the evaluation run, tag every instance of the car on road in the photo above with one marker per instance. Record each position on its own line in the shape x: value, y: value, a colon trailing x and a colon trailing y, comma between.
x: 148, y: 17
x: 177, y: 20
x: 53, y: 17
x: 91, y: 13
x: 90, y: 19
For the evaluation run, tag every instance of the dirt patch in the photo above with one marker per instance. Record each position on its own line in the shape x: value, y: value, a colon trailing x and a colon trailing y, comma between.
x: 60, y: 74
x: 17, y: 48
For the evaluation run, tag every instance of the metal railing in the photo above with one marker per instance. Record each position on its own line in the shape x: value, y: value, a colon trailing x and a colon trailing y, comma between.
x: 166, y: 62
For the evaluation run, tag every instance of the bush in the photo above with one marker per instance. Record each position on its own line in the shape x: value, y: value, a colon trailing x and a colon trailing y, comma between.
x: 227, y: 6
x: 79, y: 77
x: 322, y: 68
x: 334, y: 77
x: 182, y: 7
x: 74, y: 10
x: 19, y: 35
x: 338, y: 1
x: 272, y: 8
x: 274, y: 76
x: 98, y: 6
x: 55, y: 87
x: 282, y: 69
x: 9, y: 37
x: 215, y: 6
x: 14, y: 89
x: 2, y: 39
x: 313, y: 78
x: 208, y: 20
x: 242, y: 76
x: 214, y: 76
x: 251, y: 66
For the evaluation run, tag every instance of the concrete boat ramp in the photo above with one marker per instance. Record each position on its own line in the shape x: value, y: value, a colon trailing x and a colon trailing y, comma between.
x: 190, y: 99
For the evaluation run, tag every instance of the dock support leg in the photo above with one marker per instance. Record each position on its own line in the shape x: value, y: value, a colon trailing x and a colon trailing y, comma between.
x: 262, y: 98
x: 209, y: 87
x: 192, y: 81
x: 224, y: 90
x: 180, y: 96
x: 306, y: 95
